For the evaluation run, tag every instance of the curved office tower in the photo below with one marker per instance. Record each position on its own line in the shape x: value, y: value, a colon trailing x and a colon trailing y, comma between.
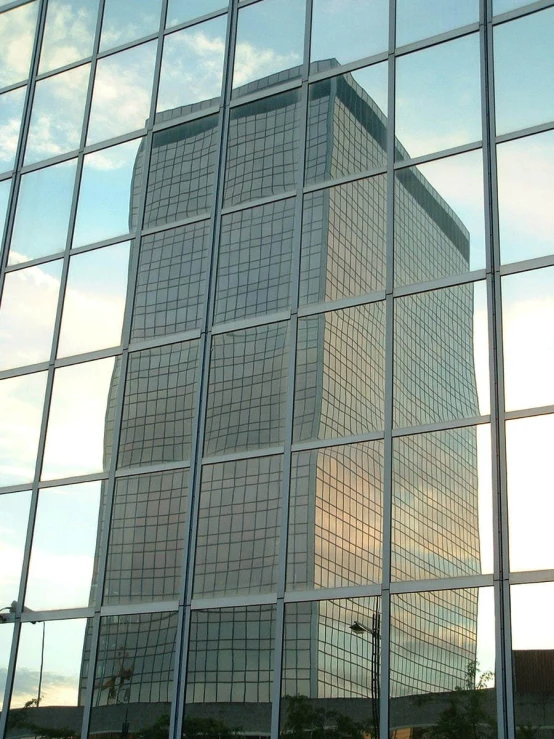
x: 273, y: 405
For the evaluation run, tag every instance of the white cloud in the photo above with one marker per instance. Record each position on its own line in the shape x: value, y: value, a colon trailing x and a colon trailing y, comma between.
x: 17, y: 31
x: 254, y: 62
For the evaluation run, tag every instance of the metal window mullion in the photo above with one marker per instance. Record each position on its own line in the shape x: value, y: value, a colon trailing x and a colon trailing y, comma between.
x: 504, y: 690
x: 197, y: 445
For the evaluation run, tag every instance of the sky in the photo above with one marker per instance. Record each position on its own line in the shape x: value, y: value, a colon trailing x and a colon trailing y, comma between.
x: 432, y: 114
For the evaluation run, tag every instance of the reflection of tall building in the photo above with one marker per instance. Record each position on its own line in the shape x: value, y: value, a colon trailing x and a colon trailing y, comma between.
x: 336, y: 516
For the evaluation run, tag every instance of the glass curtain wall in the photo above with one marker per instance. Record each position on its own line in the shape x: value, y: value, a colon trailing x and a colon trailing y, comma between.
x: 275, y: 409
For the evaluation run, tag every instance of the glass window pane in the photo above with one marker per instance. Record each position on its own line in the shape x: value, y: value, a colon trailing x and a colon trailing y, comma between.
x: 335, y: 524
x: 64, y: 544
x: 147, y: 533
x: 442, y: 504
x: 270, y: 40
x: 80, y: 423
x: 438, y: 98
x: 247, y: 389
x: 122, y: 91
x: 107, y: 205
x: 182, y: 171
x: 43, y: 209
x: 530, y: 492
x: 344, y: 241
x: 134, y: 668
x: 356, y: 141
x: 442, y: 663
x: 525, y: 192
x: 532, y: 645
x: 523, y: 70
x: 527, y: 319
x: 159, y: 405
x: 237, y: 545
x: 69, y: 32
x: 192, y: 65
x: 11, y: 111
x: 263, y: 148
x: 21, y: 400
x: 230, y: 664
x: 254, y: 262
x: 14, y: 514
x: 5, y: 187
x: 27, y: 314
x: 180, y: 11
x: 439, y: 219
x: 349, y: 30
x: 171, y: 281
x: 17, y: 35
x: 127, y: 20
x: 94, y: 300
x: 424, y: 18
x: 6, y: 633
x: 340, y: 382
x: 441, y: 356
x: 49, y: 681
x: 57, y: 117
x: 502, y: 6
x: 330, y: 671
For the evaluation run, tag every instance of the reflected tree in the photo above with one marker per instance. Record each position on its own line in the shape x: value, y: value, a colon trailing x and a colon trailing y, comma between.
x: 194, y: 727
x: 304, y: 720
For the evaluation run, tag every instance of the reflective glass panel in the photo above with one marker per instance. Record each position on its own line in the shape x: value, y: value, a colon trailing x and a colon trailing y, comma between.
x: 525, y: 192
x: 94, y: 300
x: 49, y: 680
x: 68, y: 33
x: 43, y: 209
x: 179, y: 11
x: 237, y: 545
x: 254, y: 263
x: 502, y: 6
x: 171, y: 281
x: 127, y: 20
x: 17, y: 35
x: 441, y: 355
x: 340, y: 382
x: 424, y: 18
x: 14, y: 514
x: 107, y: 196
x: 527, y: 319
x: 347, y: 127
x: 439, y: 219
x: 64, y: 544
x: 158, y: 410
x: 21, y: 401
x: 438, y: 98
x: 6, y: 633
x: 270, y: 44
x: 262, y: 148
x: 57, y: 117
x: 247, y: 389
x: 344, y: 241
x: 134, y: 674
x: 183, y: 163
x: 27, y: 313
x: 122, y: 92
x: 11, y: 110
x: 331, y: 666
x: 5, y: 187
x: 523, y: 71
x: 532, y: 655
x: 348, y: 30
x: 335, y: 518
x: 442, y: 664
x: 442, y: 504
x: 192, y: 65
x: 80, y: 423
x: 230, y: 668
x: 147, y: 532
x: 530, y: 492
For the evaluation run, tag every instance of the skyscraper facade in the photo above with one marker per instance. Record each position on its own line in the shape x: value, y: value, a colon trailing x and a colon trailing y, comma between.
x: 273, y: 377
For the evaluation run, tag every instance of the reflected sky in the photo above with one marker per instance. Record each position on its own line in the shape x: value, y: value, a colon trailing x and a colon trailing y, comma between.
x: 419, y: 19
x: 532, y: 627
x: 525, y: 194
x: 438, y: 97
x: 179, y: 11
x: 17, y: 35
x: 6, y: 631
x: 11, y: 110
x: 14, y: 512
x: 126, y: 20
x: 68, y: 33
x: 4, y: 197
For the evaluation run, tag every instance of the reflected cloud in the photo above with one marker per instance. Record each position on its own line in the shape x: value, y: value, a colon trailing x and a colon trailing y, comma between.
x: 11, y: 110
x: 17, y: 35
x: 68, y: 33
